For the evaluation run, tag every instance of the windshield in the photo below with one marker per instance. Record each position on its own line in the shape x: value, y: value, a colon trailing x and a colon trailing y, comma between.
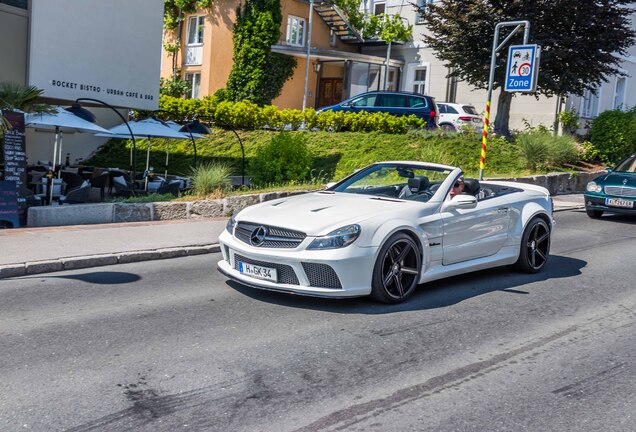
x: 403, y: 181
x: 628, y: 165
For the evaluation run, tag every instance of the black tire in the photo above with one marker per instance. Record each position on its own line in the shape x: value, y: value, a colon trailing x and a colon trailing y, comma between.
x: 594, y: 214
x: 396, y: 270
x: 535, y: 246
x: 447, y: 127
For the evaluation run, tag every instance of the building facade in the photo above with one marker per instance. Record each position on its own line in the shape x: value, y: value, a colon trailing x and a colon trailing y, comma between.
x: 341, y: 65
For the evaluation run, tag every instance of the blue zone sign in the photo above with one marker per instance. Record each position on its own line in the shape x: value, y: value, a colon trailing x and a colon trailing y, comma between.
x: 523, y: 68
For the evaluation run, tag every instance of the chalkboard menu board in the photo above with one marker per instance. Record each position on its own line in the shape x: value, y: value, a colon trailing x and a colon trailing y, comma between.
x: 14, y: 158
x: 9, y: 210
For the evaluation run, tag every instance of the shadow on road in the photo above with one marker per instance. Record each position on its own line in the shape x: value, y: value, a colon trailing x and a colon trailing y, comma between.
x: 101, y: 278
x: 433, y: 295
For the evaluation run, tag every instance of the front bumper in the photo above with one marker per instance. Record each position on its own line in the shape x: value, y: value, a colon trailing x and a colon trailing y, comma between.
x: 346, y: 271
x: 597, y: 202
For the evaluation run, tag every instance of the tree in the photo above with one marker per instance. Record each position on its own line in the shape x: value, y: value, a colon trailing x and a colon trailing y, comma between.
x: 258, y: 74
x: 14, y: 96
x: 581, y: 42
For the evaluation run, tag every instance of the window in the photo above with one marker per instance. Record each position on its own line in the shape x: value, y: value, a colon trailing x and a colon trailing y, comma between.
x: 195, y: 85
x: 379, y: 8
x: 417, y: 102
x: 589, y: 103
x: 295, y: 31
x: 419, y: 82
x: 619, y: 93
x: 421, y: 4
x: 195, y: 30
x: 392, y: 101
x: 364, y: 101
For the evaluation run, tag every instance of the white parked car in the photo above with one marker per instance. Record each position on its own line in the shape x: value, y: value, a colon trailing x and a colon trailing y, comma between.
x: 454, y: 117
x: 385, y: 229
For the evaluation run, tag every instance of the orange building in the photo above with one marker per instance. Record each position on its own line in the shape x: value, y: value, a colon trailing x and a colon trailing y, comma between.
x: 337, y: 68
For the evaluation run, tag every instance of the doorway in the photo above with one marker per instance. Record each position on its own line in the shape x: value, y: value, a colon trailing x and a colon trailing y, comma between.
x: 330, y: 91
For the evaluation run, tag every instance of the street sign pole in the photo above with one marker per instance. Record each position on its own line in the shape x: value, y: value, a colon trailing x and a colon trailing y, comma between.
x: 493, y: 63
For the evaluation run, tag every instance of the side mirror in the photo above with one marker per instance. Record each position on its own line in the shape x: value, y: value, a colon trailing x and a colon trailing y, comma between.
x: 460, y: 202
x: 609, y: 169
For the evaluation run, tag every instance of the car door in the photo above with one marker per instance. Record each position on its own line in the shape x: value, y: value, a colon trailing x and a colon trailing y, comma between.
x: 392, y: 103
x: 367, y: 102
x: 477, y: 232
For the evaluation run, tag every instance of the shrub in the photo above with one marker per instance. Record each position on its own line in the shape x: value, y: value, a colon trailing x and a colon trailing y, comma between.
x: 613, y: 133
x: 588, y: 153
x: 207, y: 178
x: 562, y: 150
x: 286, y: 158
x: 569, y: 121
x: 535, y: 147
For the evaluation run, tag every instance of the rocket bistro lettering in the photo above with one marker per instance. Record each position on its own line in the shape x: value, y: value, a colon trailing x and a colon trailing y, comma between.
x: 97, y: 89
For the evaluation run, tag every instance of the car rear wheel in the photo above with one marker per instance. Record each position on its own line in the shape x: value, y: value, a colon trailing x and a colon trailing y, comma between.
x: 447, y: 127
x: 396, y: 270
x: 594, y: 214
x: 535, y: 246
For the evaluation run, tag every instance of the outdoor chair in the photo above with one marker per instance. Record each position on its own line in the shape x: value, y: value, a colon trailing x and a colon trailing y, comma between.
x: 123, y: 188
x: 101, y: 182
x: 77, y: 195
x: 71, y: 179
x: 112, y: 174
x: 170, y: 188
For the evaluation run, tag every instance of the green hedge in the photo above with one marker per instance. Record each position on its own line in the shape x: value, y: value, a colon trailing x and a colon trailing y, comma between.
x: 250, y: 116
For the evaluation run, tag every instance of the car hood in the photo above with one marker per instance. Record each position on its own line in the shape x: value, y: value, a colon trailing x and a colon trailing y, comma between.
x: 319, y: 213
x: 618, y: 179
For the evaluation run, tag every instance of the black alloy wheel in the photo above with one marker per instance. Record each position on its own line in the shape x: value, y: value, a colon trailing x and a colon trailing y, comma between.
x: 535, y: 246
x: 396, y: 270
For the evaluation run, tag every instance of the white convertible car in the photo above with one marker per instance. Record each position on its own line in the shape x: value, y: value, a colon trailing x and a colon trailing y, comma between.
x: 385, y: 229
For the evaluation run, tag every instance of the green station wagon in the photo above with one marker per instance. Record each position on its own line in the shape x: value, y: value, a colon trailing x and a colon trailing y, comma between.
x: 613, y: 192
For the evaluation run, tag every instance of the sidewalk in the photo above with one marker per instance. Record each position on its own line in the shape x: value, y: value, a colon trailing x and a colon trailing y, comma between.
x: 25, y: 251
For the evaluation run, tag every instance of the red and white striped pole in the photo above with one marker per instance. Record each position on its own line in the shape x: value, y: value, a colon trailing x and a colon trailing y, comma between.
x: 484, y: 141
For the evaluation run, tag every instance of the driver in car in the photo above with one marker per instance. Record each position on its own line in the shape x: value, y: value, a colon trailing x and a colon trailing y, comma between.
x: 458, y: 187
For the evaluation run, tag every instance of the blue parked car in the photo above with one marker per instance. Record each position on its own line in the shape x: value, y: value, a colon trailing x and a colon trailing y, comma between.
x: 396, y: 103
x: 614, y: 192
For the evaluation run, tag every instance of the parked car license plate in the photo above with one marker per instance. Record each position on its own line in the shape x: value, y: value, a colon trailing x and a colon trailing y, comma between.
x: 616, y: 202
x: 258, y: 271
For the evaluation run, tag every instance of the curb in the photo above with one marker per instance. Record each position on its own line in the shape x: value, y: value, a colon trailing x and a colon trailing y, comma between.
x: 89, y: 261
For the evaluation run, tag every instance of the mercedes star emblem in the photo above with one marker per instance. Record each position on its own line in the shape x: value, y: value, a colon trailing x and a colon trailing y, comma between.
x: 258, y: 236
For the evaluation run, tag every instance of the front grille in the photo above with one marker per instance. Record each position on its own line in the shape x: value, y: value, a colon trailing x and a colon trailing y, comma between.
x: 285, y: 273
x: 275, y: 237
x: 621, y: 191
x: 321, y: 275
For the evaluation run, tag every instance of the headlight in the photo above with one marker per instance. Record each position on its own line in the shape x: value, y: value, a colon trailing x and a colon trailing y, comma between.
x: 230, y: 224
x: 339, y: 238
x: 593, y: 187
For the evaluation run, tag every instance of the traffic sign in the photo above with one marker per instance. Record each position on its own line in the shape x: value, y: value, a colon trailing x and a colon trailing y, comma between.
x: 523, y: 68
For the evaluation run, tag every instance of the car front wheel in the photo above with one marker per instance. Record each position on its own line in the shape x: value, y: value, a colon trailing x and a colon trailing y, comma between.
x: 396, y: 270
x: 535, y: 246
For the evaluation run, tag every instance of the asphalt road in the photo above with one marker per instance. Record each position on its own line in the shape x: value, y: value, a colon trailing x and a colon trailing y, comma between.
x: 170, y: 345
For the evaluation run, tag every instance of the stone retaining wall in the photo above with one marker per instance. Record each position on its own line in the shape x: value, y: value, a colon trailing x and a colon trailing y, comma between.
x: 82, y: 214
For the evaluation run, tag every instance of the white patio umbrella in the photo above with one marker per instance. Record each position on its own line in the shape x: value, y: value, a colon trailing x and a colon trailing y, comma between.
x: 60, y: 121
x: 147, y: 128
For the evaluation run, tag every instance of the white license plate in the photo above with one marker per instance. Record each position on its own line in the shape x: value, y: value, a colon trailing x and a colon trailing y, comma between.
x: 616, y: 202
x: 258, y: 271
